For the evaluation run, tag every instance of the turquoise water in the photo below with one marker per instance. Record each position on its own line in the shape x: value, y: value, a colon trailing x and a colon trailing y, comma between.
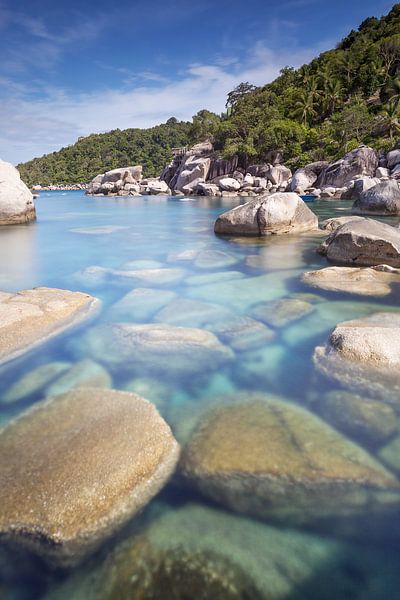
x: 204, y: 282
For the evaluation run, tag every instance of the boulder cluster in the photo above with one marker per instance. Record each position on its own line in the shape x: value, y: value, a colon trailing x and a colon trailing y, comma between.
x: 126, y: 181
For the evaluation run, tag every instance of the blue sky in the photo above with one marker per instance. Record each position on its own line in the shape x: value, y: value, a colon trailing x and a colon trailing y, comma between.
x: 69, y: 68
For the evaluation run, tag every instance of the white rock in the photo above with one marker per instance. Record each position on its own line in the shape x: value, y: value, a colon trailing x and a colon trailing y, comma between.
x: 16, y: 201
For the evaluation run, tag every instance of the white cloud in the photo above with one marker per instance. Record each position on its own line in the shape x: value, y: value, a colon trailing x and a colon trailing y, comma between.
x: 32, y: 127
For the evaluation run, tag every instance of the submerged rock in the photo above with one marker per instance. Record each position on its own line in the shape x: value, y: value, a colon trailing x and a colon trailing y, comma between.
x: 34, y: 381
x: 96, y: 276
x: 335, y: 222
x: 243, y: 333
x: 104, y: 456
x: 382, y: 199
x: 370, y: 422
x: 389, y: 455
x: 282, y: 312
x: 363, y: 242
x: 364, y: 281
x: 363, y: 355
x: 275, y: 460
x: 185, y: 312
x: 271, y: 214
x: 85, y: 373
x: 214, y: 259
x: 141, y: 304
x: 31, y: 317
x: 16, y: 201
x: 160, y: 348
x: 198, y: 552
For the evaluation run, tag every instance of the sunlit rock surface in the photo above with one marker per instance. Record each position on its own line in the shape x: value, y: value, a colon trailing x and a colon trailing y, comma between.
x: 271, y: 214
x: 364, y: 355
x: 353, y: 280
x: 299, y: 470
x: 31, y: 317
x: 363, y: 242
x: 75, y: 468
x: 16, y: 201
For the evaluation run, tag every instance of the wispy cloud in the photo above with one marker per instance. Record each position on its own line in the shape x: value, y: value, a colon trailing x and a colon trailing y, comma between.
x: 33, y: 127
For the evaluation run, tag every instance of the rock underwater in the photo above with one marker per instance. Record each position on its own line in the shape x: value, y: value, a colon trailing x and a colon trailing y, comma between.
x: 275, y: 460
x: 75, y: 468
x: 31, y: 317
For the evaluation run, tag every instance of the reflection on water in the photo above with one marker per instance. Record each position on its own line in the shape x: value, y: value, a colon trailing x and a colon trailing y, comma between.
x: 156, y: 260
x: 18, y: 257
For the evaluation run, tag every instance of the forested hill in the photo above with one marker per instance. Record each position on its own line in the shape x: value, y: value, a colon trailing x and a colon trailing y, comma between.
x: 101, y: 152
x: 343, y: 97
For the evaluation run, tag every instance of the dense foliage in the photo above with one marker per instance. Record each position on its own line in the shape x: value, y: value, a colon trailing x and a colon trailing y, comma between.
x: 102, y: 152
x: 345, y: 96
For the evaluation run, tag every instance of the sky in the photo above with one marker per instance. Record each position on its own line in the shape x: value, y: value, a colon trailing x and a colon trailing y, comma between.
x: 69, y: 68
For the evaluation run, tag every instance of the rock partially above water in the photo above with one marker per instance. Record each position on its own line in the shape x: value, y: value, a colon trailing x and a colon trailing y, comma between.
x: 353, y: 280
x: 364, y: 355
x: 335, y: 222
x: 382, y: 199
x: 104, y: 455
x: 275, y: 460
x: 271, y: 214
x: 160, y: 348
x: 31, y: 317
x: 16, y: 201
x: 363, y: 242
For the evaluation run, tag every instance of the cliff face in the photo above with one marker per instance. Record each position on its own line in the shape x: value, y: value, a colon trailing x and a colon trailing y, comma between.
x: 199, y: 164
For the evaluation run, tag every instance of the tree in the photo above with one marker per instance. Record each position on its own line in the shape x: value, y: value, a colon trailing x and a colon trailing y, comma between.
x: 354, y: 122
x: 305, y: 107
x: 391, y: 117
x: 203, y: 126
x: 333, y: 95
x: 236, y: 94
x: 389, y: 51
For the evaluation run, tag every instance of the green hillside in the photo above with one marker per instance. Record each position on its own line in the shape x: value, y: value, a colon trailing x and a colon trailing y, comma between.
x: 101, y: 152
x: 344, y: 97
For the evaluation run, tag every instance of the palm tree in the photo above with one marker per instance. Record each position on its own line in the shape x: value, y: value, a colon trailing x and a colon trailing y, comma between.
x: 333, y: 95
x: 392, y: 117
x: 305, y: 107
x: 392, y: 90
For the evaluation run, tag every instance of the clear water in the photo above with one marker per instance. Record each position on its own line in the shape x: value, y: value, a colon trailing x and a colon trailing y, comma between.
x: 75, y: 232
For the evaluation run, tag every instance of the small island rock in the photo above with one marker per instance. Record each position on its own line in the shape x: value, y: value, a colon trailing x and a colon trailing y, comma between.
x: 270, y: 214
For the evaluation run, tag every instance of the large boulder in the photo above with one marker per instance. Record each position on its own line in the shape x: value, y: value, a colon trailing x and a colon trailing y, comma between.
x: 123, y: 173
x: 104, y: 455
x: 363, y: 242
x: 31, y: 317
x: 278, y: 175
x: 16, y: 201
x: 360, y: 186
x: 361, y: 161
x: 194, y: 169
x: 393, y: 159
x: 364, y: 281
x: 275, y: 460
x: 270, y: 214
x: 363, y: 355
x: 229, y: 184
x: 305, y: 177
x: 381, y: 199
